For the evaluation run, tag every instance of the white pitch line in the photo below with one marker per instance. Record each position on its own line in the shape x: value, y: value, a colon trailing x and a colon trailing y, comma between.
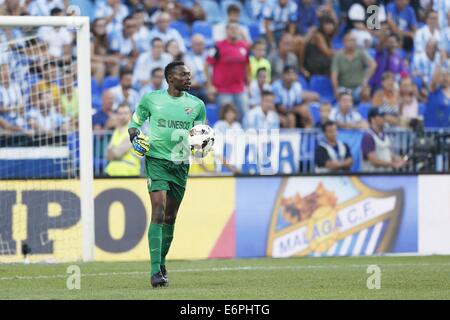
x: 248, y: 268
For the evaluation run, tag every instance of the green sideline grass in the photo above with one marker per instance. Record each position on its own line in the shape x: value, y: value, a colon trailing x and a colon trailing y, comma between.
x: 294, y: 278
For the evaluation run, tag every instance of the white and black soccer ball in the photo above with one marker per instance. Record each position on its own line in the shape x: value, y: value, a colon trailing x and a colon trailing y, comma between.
x: 201, y: 140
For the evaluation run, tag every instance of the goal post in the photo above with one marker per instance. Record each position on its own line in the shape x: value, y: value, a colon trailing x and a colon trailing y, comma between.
x: 83, y: 77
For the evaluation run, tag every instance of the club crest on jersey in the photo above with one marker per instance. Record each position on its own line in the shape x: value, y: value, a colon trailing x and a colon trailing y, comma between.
x: 188, y: 111
x: 333, y: 216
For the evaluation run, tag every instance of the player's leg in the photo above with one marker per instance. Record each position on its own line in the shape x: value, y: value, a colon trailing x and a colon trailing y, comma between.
x: 172, y: 206
x: 158, y: 201
x: 175, y: 194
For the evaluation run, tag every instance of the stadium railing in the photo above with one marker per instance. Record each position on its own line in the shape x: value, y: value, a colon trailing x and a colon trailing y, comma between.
x: 431, y: 153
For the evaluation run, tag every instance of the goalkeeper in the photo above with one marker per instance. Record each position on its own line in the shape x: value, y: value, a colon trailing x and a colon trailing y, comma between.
x: 171, y: 114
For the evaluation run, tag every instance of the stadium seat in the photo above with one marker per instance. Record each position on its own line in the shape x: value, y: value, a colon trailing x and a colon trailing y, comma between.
x: 303, y: 82
x: 183, y: 28
x: 314, y: 109
x: 249, y: 8
x: 212, y: 8
x: 418, y: 82
x: 422, y: 108
x: 110, y: 82
x: 244, y: 15
x: 253, y: 29
x: 364, y: 108
x: 212, y: 113
x: 96, y: 93
x: 322, y: 85
x: 204, y: 28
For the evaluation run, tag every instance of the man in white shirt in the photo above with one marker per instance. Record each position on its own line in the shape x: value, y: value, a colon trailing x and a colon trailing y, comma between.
x: 43, y: 7
x: 163, y: 31
x: 234, y: 14
x: 345, y: 116
x: 428, y: 32
x: 123, y: 92
x: 257, y: 86
x: 148, y: 61
x: 157, y: 82
x: 264, y: 116
x: 59, y: 39
x: 196, y: 60
x: 113, y: 11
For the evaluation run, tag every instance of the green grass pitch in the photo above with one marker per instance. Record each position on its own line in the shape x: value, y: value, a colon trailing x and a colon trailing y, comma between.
x: 295, y: 278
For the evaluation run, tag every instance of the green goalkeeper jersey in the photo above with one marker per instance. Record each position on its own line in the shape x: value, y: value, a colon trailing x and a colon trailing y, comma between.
x: 170, y: 119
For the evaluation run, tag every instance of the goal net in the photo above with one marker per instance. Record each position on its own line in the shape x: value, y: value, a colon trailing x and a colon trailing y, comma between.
x: 46, y: 205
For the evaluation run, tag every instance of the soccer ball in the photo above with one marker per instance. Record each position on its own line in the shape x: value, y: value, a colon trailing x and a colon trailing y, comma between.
x: 201, y: 140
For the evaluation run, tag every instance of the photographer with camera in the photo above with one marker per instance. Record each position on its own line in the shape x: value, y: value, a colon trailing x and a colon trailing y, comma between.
x: 376, y: 146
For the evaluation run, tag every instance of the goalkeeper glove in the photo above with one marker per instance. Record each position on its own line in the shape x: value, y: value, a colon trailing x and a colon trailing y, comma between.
x: 140, y: 143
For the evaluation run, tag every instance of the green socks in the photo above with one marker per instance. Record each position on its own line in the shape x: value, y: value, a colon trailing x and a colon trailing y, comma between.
x: 154, y: 241
x: 159, y: 238
x: 167, y: 236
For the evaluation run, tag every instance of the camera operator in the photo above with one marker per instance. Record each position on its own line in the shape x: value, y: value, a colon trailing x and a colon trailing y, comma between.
x: 376, y: 146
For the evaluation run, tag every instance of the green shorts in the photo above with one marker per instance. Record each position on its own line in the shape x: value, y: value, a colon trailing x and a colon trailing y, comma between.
x: 166, y: 175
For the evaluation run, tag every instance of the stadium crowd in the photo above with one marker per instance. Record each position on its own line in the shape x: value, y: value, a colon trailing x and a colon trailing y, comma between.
x: 259, y: 64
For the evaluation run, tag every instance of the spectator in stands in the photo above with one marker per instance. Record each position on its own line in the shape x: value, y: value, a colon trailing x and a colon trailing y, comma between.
x: 45, y: 118
x: 289, y: 96
x: 424, y: 63
x: 166, y: 33
x: 148, y: 61
x: 258, y: 60
x: 173, y: 48
x: 257, y: 86
x: 13, y: 8
x: 430, y: 31
x: 8, y: 128
x: 49, y: 82
x: 352, y: 68
x: 233, y: 15
x: 114, y: 12
x: 442, y: 7
x: 332, y: 155
x: 195, y: 59
x: 387, y: 98
x: 388, y: 58
x: 59, y: 39
x: 360, y: 17
x: 324, y: 114
x: 376, y: 146
x: 345, y: 115
x: 44, y: 7
x: 283, y: 56
x: 124, y: 93
x: 69, y: 95
x: 408, y: 101
x: 122, y: 45
x: 437, y: 113
x: 229, y: 57
x: 318, y: 53
x: 157, y: 82
x: 445, y: 36
x: 307, y: 19
x: 263, y: 117
x: 228, y: 116
x: 279, y: 16
x: 104, y: 119
x: 402, y: 20
x: 142, y: 34
x: 11, y: 98
x: 122, y: 160
x: 102, y: 62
